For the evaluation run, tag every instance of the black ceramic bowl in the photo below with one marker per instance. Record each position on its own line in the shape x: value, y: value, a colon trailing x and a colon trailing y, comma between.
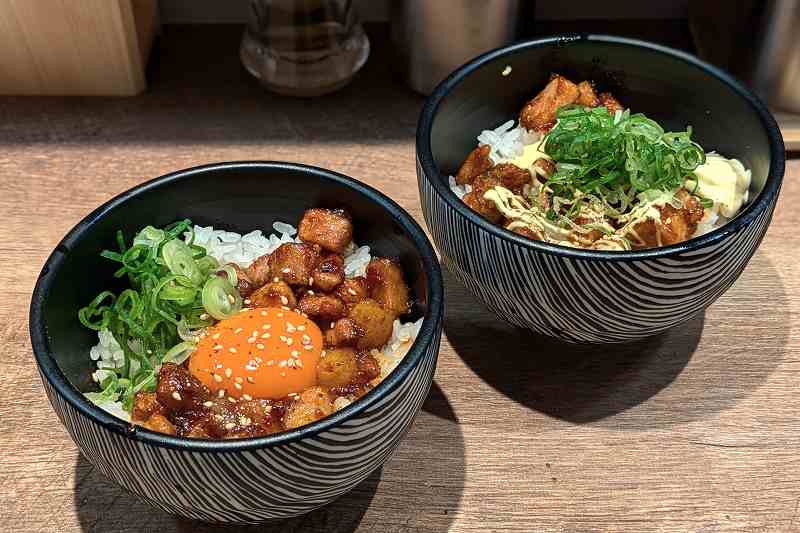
x: 595, y: 296
x: 247, y: 480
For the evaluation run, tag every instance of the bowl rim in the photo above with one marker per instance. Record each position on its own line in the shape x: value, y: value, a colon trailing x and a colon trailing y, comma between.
x: 56, y: 378
x: 432, y: 174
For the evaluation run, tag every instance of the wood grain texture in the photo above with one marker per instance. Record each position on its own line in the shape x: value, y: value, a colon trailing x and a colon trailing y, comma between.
x: 75, y: 46
x: 694, y: 430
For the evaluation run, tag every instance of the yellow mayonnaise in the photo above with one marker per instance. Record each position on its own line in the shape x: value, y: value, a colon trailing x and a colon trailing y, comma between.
x: 530, y: 154
x: 724, y: 181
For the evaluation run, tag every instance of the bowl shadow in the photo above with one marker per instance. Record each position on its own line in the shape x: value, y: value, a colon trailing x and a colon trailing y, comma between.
x: 391, y: 496
x: 642, y: 384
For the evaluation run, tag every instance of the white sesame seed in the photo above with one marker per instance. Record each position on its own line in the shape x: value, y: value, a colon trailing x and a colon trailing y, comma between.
x: 259, y: 360
x: 284, y: 300
x: 215, y: 336
x: 250, y: 379
x: 351, y: 291
x: 218, y: 347
x: 305, y: 339
x: 280, y: 315
x: 208, y: 404
x: 217, y: 378
x: 247, y: 301
x: 255, y: 333
x: 204, y: 316
x: 251, y: 368
x: 231, y: 399
x: 311, y: 280
x: 149, y: 352
x: 324, y: 353
x: 247, y: 397
x: 232, y: 349
x: 312, y: 293
x: 286, y: 270
x: 228, y: 372
x: 266, y: 326
x: 263, y: 313
x: 231, y: 299
x: 251, y: 340
x: 237, y: 331
x: 176, y: 395
x: 308, y: 347
x: 266, y: 335
x: 238, y: 379
x: 282, y: 364
x: 301, y: 327
x: 289, y: 341
x: 230, y: 425
x: 283, y: 374
x: 276, y: 279
x: 260, y: 346
x: 299, y: 363
x: 238, y: 386
x: 221, y: 393
x: 295, y: 353
x: 282, y: 338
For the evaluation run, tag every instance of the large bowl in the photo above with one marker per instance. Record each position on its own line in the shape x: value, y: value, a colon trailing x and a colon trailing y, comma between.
x: 594, y: 296
x: 247, y: 480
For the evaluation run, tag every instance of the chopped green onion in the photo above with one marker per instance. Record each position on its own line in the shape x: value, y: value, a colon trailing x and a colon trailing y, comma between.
x: 220, y: 298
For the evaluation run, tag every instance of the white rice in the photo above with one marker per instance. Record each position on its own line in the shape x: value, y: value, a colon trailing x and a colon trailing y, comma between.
x: 231, y: 247
x: 459, y: 190
x: 506, y: 141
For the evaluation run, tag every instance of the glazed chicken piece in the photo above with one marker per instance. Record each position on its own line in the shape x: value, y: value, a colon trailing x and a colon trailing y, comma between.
x: 145, y: 404
x: 510, y: 176
x: 258, y: 273
x: 293, y: 262
x: 328, y: 273
x: 374, y: 321
x: 476, y: 163
x: 322, y: 307
x: 160, y: 424
x: 387, y: 286
x: 345, y: 332
x: 675, y: 224
x: 478, y: 203
x: 313, y: 404
x: 352, y: 290
x: 331, y: 229
x: 586, y: 95
x: 540, y: 113
x: 611, y: 103
x: 347, y: 372
x: 178, y: 390
x: 274, y: 294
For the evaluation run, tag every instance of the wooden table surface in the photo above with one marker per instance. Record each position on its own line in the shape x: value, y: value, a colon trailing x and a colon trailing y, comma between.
x: 694, y: 430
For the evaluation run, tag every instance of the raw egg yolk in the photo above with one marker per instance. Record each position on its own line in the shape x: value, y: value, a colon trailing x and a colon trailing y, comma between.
x: 261, y: 352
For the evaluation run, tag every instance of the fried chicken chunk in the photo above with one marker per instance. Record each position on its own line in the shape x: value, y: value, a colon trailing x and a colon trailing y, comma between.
x: 476, y: 163
x: 478, y: 203
x: 331, y: 229
x: 540, y: 113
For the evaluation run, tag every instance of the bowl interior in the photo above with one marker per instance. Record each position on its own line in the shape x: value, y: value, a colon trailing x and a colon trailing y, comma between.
x: 235, y: 197
x: 666, y: 87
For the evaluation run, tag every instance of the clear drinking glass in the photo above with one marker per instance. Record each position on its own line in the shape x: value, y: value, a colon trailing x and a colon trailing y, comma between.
x: 303, y: 47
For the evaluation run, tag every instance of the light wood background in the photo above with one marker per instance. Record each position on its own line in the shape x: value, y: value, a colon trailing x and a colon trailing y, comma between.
x: 694, y: 430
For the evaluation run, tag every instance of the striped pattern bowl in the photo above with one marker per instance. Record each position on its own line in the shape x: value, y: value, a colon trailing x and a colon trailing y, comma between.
x: 247, y: 480
x: 592, y: 296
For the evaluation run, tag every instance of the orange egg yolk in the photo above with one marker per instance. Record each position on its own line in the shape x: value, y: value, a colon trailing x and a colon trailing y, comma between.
x: 260, y: 352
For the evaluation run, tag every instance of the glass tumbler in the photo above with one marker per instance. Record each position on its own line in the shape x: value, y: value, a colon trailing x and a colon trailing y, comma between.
x: 303, y: 47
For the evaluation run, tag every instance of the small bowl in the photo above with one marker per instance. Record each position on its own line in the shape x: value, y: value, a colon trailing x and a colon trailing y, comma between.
x: 595, y: 296
x: 246, y: 480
